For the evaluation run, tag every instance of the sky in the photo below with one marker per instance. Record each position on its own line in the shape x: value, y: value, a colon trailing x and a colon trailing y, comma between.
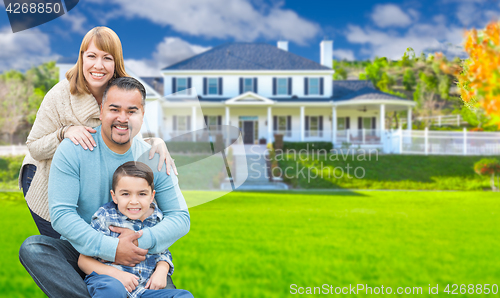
x: 159, y: 33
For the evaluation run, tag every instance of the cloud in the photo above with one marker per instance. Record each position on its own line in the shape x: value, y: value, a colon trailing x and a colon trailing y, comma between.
x: 77, y: 21
x: 421, y: 37
x: 390, y: 15
x: 342, y: 54
x: 237, y: 19
x: 23, y: 50
x: 171, y: 50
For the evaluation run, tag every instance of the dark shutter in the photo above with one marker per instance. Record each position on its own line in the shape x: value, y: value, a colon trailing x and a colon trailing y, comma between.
x: 306, y: 87
x: 360, y: 122
x: 188, y: 124
x: 320, y: 123
x: 347, y: 123
x: 189, y: 86
x: 307, y: 122
x: 206, y: 120
x: 275, y: 122
x: 241, y: 85
x: 374, y: 122
x: 205, y: 86
x: 219, y: 120
x: 289, y: 86
x: 288, y: 123
x: 255, y: 89
x: 174, y: 89
x: 174, y: 123
x: 220, y: 86
x: 274, y: 86
x: 320, y: 86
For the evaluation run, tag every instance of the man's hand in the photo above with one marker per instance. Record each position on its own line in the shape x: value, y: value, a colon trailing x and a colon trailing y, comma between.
x: 127, y: 252
x: 158, y: 279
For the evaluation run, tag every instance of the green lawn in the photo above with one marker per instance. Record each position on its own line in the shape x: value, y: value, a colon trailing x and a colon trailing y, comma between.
x: 258, y: 244
x: 383, y: 172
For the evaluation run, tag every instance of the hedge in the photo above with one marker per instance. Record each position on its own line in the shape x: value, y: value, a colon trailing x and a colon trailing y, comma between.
x: 309, y: 146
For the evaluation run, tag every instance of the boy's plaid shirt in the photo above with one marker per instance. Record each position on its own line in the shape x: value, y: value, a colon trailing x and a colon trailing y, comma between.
x: 109, y: 215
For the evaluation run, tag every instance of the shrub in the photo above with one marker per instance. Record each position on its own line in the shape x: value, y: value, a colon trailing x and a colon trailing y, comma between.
x: 309, y: 146
x: 488, y: 167
x: 189, y: 147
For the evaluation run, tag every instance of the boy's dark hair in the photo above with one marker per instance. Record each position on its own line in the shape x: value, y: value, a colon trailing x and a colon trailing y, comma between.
x: 134, y: 169
x: 127, y: 84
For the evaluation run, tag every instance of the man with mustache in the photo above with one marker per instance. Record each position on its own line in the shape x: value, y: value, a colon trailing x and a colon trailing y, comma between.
x: 79, y: 184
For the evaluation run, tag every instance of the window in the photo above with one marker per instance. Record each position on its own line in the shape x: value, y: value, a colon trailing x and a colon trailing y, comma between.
x: 313, y: 126
x: 367, y: 122
x: 247, y: 85
x: 182, y: 85
x: 182, y: 123
x: 282, y: 86
x: 313, y: 86
x: 341, y: 123
x: 211, y: 120
x: 282, y: 123
x: 212, y: 86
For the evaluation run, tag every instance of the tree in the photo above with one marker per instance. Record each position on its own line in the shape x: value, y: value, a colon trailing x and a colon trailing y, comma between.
x: 340, y: 72
x: 479, y: 81
x: 14, y: 94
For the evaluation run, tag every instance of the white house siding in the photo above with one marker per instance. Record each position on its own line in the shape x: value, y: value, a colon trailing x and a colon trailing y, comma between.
x: 231, y: 83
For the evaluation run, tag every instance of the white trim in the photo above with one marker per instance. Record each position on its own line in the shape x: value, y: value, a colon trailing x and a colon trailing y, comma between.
x: 243, y: 99
x: 319, y: 72
x: 402, y: 102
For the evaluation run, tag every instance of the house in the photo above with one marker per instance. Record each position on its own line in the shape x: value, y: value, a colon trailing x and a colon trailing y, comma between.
x: 266, y: 90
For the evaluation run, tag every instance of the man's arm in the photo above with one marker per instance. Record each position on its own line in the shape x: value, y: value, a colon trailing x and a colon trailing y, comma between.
x: 64, y: 192
x: 176, y: 221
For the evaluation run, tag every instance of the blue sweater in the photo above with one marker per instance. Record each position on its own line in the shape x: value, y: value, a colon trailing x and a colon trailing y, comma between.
x: 80, y: 182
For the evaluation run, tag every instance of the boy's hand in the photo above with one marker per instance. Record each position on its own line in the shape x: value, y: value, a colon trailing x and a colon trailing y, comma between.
x: 158, y: 279
x: 129, y: 280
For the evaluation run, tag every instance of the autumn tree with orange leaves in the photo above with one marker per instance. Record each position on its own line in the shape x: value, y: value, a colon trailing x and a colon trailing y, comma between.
x: 479, y: 81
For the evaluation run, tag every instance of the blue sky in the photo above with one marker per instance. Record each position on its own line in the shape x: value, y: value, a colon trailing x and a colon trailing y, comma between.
x: 157, y: 33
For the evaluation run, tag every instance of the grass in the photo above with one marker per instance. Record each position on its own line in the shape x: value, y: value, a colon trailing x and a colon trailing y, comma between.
x: 384, y: 172
x: 258, y: 244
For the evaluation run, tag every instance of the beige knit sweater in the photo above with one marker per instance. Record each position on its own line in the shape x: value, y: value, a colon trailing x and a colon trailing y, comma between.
x: 59, y: 108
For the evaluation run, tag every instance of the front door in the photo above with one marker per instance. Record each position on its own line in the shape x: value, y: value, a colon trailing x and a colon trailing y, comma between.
x: 248, y: 132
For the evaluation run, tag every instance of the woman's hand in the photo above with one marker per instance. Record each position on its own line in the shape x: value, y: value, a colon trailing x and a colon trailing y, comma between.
x: 81, y: 135
x: 159, y: 146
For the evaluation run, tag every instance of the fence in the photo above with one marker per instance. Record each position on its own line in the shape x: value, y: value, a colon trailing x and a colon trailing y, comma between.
x: 13, y: 150
x: 427, y: 142
x: 455, y: 120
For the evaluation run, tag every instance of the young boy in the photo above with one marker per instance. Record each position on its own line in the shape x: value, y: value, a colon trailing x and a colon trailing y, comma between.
x: 132, y: 207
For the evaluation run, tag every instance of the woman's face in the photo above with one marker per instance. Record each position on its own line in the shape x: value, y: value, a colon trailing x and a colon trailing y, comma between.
x: 98, y: 69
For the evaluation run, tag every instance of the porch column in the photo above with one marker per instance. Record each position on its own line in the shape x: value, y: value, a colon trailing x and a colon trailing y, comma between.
x: 302, y: 123
x: 228, y: 137
x: 193, y: 123
x: 269, y: 125
x: 408, y: 121
x: 382, y: 120
x: 334, y: 125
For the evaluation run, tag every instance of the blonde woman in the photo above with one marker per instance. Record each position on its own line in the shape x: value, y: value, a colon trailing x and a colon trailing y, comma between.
x: 70, y: 110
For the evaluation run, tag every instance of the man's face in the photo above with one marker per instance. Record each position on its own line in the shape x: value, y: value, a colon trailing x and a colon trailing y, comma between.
x: 121, y: 115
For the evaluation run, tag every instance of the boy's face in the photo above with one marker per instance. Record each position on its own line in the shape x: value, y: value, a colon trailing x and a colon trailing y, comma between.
x: 133, y: 196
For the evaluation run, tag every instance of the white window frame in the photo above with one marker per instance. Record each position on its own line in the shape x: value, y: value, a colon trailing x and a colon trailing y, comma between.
x: 209, y: 91
x: 281, y: 120
x: 339, y: 119
x: 245, y: 89
x: 310, y: 86
x: 178, y: 86
x: 282, y: 86
x: 212, y: 120
x: 180, y: 125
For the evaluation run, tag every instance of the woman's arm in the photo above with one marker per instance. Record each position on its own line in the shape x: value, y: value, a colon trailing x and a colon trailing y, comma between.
x: 158, y: 146
x: 88, y: 265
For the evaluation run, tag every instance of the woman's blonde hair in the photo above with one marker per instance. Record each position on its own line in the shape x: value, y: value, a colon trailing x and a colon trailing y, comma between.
x: 105, y: 40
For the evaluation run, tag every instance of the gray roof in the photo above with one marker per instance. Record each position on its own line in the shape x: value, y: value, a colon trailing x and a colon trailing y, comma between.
x: 155, y: 82
x: 247, y: 56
